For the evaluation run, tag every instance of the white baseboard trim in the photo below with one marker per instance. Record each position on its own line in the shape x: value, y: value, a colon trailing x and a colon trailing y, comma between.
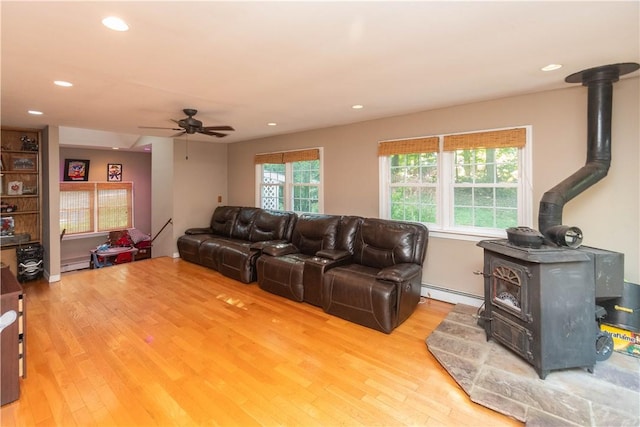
x: 77, y: 265
x: 451, y: 296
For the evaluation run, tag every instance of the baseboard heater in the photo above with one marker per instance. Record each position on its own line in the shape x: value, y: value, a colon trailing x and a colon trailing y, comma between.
x: 74, y: 265
x: 450, y: 295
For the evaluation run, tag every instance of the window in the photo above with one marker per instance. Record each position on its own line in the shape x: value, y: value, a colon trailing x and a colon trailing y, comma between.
x: 290, y: 180
x: 474, y: 183
x: 91, y: 207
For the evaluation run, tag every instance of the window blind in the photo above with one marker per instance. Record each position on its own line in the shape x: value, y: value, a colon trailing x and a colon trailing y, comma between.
x: 276, y: 158
x: 114, y: 206
x: 491, y: 139
x: 87, y: 207
x: 288, y: 156
x: 408, y: 146
x: 76, y: 207
x: 301, y: 155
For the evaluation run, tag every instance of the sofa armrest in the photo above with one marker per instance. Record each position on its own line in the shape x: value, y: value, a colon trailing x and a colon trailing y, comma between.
x: 200, y: 230
x: 399, y: 273
x: 312, y: 276
x: 280, y: 249
x: 333, y: 254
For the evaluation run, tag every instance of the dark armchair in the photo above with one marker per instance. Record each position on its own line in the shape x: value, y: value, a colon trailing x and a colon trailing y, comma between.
x: 380, y: 288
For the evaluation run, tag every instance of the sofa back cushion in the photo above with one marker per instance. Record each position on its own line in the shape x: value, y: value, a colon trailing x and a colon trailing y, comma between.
x: 381, y: 243
x: 223, y: 219
x: 244, y: 222
x: 271, y: 225
x: 314, y: 232
x: 349, y: 226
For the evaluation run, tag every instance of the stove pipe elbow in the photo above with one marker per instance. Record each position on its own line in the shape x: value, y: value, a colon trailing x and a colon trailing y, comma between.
x: 599, y: 82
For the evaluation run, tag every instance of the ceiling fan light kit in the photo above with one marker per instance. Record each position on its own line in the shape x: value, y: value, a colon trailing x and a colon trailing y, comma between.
x: 190, y: 125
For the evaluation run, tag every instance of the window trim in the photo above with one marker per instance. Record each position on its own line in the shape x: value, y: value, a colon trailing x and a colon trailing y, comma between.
x: 444, y: 190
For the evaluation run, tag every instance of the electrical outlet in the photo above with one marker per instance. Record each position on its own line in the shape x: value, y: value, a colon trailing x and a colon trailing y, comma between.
x: 219, y: 199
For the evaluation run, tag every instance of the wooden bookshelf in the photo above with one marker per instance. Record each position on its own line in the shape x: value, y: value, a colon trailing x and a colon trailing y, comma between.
x: 20, y: 190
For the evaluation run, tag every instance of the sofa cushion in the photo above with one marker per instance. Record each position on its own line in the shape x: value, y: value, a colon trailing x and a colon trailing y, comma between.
x: 244, y: 222
x: 313, y: 233
x: 138, y: 236
x: 382, y: 243
x: 189, y: 246
x: 349, y: 226
x: 282, y: 275
x: 237, y: 260
x: 270, y: 225
x: 223, y: 219
x: 353, y: 293
x: 210, y: 251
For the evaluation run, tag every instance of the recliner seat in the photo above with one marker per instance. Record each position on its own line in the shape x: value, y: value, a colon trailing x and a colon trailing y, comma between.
x: 281, y: 267
x: 381, y: 287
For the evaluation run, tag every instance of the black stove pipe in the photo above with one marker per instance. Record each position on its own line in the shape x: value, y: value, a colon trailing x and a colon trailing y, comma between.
x: 599, y: 82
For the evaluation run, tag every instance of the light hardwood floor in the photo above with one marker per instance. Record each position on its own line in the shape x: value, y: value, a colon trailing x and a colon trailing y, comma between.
x: 167, y: 342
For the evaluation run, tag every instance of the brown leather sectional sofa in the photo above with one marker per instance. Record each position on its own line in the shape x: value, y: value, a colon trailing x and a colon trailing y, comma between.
x: 365, y: 270
x: 235, y: 238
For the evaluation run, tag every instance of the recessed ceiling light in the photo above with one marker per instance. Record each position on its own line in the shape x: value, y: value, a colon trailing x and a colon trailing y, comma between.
x: 62, y: 83
x: 551, y: 67
x: 357, y: 107
x: 114, y: 23
x: 115, y: 148
x: 35, y: 112
x: 272, y: 124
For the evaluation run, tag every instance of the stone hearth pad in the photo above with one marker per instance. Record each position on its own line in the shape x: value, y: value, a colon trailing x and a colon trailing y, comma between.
x: 497, y: 378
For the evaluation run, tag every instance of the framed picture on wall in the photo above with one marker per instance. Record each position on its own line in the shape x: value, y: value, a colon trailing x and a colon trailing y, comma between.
x: 76, y: 170
x: 114, y: 172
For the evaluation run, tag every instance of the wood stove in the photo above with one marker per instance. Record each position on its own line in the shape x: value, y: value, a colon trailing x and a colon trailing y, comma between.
x: 540, y: 287
x: 540, y: 303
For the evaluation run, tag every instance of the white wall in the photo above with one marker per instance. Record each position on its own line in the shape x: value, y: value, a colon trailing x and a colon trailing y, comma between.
x: 199, y: 178
x: 51, y: 203
x: 608, y: 213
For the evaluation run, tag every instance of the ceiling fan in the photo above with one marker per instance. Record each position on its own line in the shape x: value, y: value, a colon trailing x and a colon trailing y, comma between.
x: 190, y: 125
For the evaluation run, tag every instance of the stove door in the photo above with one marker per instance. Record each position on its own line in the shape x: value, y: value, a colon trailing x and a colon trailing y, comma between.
x: 509, y: 282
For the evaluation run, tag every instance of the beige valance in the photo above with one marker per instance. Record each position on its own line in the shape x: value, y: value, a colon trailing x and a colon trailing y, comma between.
x: 268, y: 158
x: 301, y: 155
x: 407, y: 146
x: 77, y: 186
x: 288, y: 156
x: 490, y: 139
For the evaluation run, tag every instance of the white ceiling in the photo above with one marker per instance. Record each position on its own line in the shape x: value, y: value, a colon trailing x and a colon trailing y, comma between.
x: 300, y: 64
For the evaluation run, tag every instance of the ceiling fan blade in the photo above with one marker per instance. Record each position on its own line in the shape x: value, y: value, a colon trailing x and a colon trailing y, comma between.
x: 190, y: 125
x: 218, y: 128
x: 155, y: 127
x: 212, y: 133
